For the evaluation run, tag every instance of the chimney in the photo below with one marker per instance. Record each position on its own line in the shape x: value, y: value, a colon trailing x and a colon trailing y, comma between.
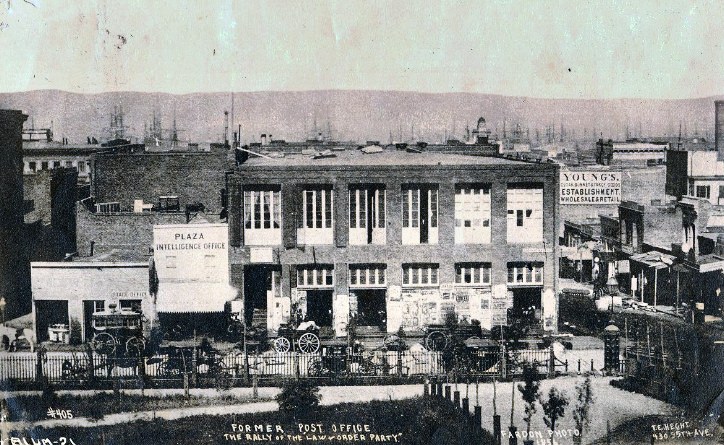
x: 719, y: 128
x: 263, y: 139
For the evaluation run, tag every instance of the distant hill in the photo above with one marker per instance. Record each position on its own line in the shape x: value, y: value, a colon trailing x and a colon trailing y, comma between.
x: 356, y: 115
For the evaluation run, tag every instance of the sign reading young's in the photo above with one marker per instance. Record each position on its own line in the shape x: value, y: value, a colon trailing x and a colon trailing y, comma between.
x: 590, y: 187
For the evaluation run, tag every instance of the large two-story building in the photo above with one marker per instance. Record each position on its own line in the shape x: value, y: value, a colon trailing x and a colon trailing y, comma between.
x: 394, y: 238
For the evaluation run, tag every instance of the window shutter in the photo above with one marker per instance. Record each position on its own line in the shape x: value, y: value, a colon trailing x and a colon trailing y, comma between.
x: 236, y: 211
x: 291, y: 208
x: 341, y: 215
x: 292, y: 277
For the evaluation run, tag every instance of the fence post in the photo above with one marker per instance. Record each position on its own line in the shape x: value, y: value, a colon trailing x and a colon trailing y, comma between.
x: 194, y: 356
x: 39, y: 368
x: 448, y: 388
x: 439, y: 389
x: 579, y: 365
x: 255, y: 387
x: 399, y: 362
x: 142, y: 372
x: 186, y: 385
x: 246, y: 365
x: 296, y: 365
x: 497, y: 432
x: 503, y: 362
x: 91, y: 373
x: 551, y: 362
x: 426, y: 388
x: 513, y: 438
x: 591, y: 365
x: 456, y: 399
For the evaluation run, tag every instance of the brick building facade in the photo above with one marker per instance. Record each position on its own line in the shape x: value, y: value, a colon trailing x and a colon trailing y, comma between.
x: 14, y: 269
x: 126, y: 235
x: 192, y: 177
x: 395, y: 238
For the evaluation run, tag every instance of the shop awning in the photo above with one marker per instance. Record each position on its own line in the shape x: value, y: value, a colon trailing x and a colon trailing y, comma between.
x: 654, y: 259
x: 193, y: 297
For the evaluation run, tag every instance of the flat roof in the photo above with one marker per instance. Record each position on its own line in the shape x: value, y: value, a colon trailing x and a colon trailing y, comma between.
x: 387, y: 158
x: 86, y: 264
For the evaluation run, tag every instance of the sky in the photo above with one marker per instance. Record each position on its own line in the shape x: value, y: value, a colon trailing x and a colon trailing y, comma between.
x: 547, y: 49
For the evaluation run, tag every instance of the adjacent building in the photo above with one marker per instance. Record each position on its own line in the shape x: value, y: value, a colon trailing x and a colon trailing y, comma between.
x: 14, y: 267
x: 191, y: 272
x: 631, y: 152
x: 67, y: 294
x: 162, y: 180
x: 395, y: 238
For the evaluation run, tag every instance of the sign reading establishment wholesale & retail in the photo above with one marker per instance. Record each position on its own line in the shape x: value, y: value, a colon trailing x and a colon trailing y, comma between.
x: 590, y: 187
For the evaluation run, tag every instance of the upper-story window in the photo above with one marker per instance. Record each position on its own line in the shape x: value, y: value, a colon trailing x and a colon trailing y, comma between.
x: 367, y: 275
x: 420, y: 275
x: 315, y: 276
x: 315, y: 225
x: 472, y: 214
x: 419, y: 214
x: 367, y: 217
x: 525, y: 273
x: 703, y: 191
x: 472, y: 274
x: 32, y: 166
x: 262, y: 216
x: 525, y: 213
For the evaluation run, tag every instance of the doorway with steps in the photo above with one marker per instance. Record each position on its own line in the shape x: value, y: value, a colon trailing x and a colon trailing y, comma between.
x: 260, y: 284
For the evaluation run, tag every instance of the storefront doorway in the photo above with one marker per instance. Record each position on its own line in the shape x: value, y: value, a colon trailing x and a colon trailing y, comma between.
x: 371, y: 308
x: 527, y: 304
x: 48, y: 313
x: 319, y: 306
x: 260, y: 282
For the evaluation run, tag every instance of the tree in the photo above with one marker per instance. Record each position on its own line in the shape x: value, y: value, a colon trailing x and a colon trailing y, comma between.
x: 582, y: 410
x: 530, y: 393
x: 554, y: 408
x: 298, y: 397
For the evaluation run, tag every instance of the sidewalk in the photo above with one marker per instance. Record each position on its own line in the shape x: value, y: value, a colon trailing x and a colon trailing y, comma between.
x: 330, y: 395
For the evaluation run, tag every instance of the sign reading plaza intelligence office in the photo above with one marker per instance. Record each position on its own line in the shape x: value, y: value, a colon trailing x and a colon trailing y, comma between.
x: 590, y: 187
x: 195, y: 252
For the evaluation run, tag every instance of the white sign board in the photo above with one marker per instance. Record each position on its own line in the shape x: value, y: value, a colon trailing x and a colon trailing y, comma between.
x: 590, y: 187
x: 192, y: 252
x: 261, y: 255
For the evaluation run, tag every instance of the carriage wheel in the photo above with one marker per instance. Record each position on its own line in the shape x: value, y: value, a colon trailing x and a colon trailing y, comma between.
x: 134, y: 346
x: 436, y: 341
x: 308, y: 343
x: 281, y: 344
x: 104, y: 343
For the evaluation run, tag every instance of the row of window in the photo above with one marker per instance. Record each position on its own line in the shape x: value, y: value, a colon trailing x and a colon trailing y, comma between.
x: 368, y: 215
x: 418, y: 274
x: 704, y: 191
x: 124, y: 305
x: 34, y: 166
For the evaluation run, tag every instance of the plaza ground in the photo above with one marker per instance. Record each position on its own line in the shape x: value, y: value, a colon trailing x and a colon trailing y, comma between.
x: 610, y: 405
